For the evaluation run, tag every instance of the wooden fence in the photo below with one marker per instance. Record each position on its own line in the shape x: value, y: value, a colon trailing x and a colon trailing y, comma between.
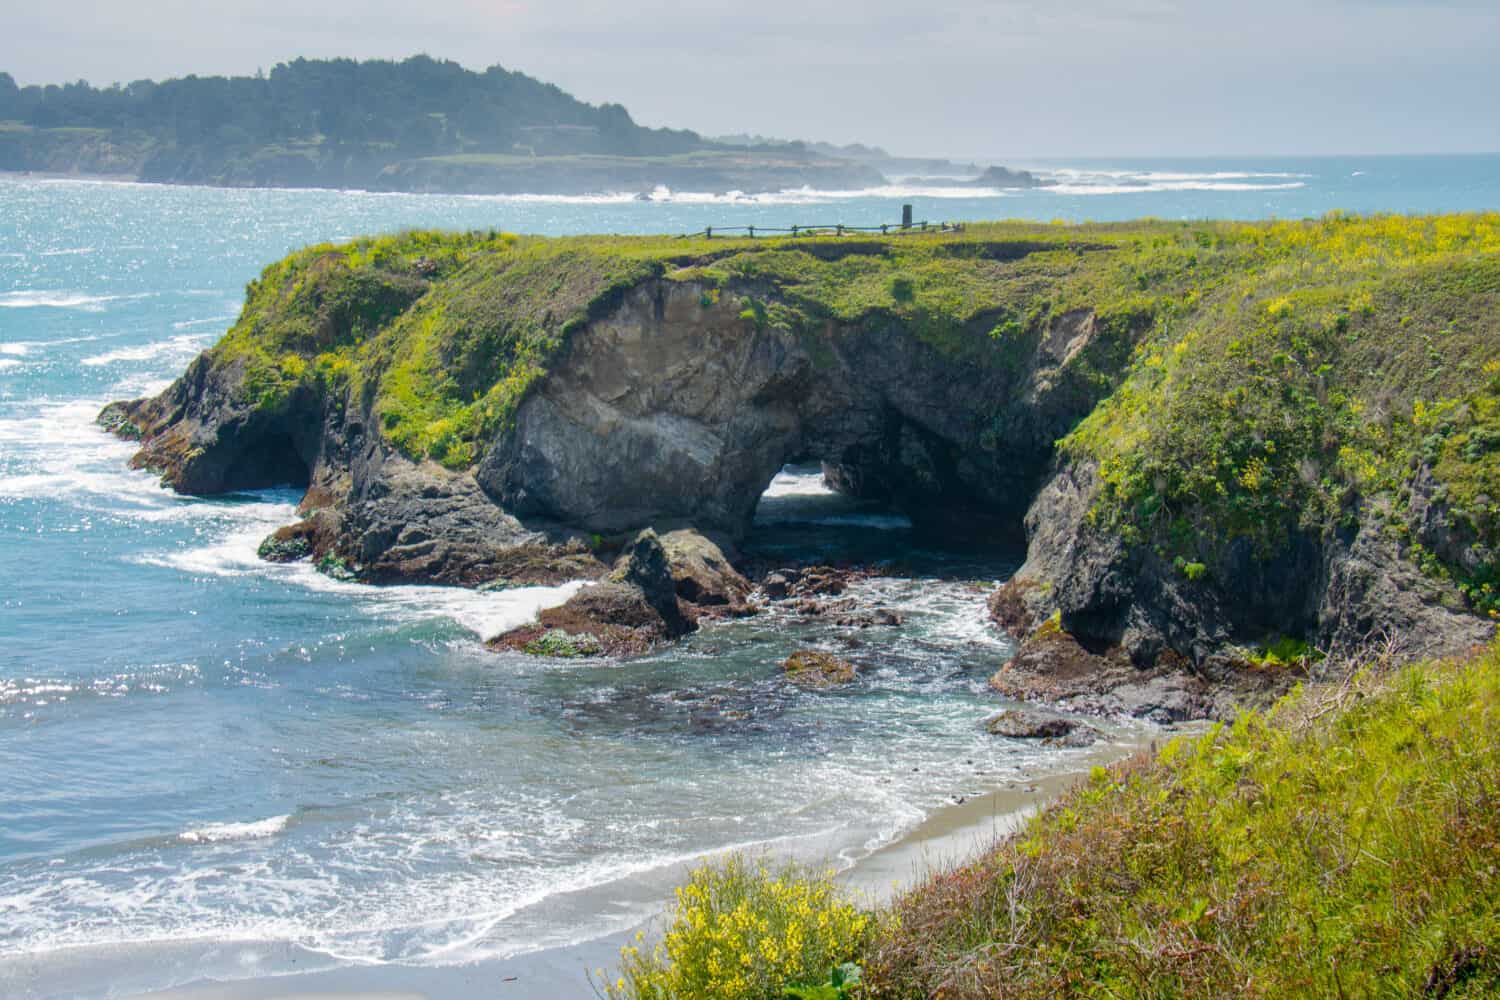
x: 892, y: 228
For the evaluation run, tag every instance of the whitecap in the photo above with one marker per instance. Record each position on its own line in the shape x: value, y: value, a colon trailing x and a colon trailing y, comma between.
x: 8, y: 363
x: 30, y: 299
x: 188, y: 324
x: 217, y: 832
x: 1156, y: 187
x: 485, y: 613
x: 798, y: 481
x: 184, y: 344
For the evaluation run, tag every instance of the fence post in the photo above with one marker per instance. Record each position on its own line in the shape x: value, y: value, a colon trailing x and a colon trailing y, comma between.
x: 841, y: 229
x: 905, y: 216
x: 794, y: 230
x: 752, y: 232
x: 709, y: 233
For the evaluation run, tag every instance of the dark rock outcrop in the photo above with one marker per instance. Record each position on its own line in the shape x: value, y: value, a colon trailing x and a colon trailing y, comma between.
x: 634, y: 609
x: 702, y: 573
x: 1345, y: 592
x: 1032, y: 724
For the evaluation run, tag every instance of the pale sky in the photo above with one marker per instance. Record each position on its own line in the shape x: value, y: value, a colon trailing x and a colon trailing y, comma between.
x: 1007, y: 79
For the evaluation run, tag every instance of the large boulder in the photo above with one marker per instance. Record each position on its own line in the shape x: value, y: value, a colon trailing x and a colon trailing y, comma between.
x: 1033, y: 724
x: 644, y: 565
x: 701, y: 572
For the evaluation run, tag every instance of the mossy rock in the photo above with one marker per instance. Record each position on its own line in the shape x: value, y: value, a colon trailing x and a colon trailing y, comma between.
x: 278, y: 549
x: 565, y: 645
x: 812, y: 668
x: 338, y: 568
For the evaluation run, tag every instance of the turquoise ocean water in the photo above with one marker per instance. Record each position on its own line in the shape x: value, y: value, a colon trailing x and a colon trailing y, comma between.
x: 198, y: 749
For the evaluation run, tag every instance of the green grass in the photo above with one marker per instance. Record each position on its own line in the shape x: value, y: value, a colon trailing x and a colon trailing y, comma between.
x: 1346, y: 844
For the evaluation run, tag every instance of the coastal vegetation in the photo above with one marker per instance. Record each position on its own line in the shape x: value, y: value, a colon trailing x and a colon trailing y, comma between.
x: 1341, y: 844
x: 1254, y: 382
x: 741, y: 929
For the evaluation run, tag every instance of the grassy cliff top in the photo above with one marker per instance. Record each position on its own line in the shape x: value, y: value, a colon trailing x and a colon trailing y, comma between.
x: 1277, y: 371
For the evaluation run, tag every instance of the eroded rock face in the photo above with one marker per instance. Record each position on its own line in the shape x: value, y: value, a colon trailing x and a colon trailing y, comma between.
x: 1345, y: 593
x: 677, y: 407
x: 672, y: 408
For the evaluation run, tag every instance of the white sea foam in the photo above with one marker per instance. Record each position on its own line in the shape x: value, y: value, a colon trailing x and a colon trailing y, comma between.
x: 188, y: 324
x: 1093, y: 182
x: 183, y: 344
x: 24, y: 347
x: 798, y: 482
x: 485, y: 613
x: 29, y: 298
x: 8, y: 363
x: 217, y: 832
x: 54, y: 300
x: 878, y: 522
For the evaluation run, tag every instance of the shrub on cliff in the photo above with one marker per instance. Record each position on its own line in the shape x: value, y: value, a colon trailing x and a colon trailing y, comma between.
x: 1343, y: 845
x: 743, y: 931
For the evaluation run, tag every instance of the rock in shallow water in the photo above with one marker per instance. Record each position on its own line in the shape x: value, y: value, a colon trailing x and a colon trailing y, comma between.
x: 812, y: 668
x: 644, y: 566
x: 1032, y: 724
x: 701, y: 572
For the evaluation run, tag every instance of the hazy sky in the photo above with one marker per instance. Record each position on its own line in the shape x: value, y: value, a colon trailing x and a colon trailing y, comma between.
x: 1002, y: 79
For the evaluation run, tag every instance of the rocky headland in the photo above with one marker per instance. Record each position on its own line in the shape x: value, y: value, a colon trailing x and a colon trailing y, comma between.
x: 1227, y: 449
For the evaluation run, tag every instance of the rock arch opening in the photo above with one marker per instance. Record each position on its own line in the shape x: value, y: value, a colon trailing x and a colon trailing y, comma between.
x: 678, y: 409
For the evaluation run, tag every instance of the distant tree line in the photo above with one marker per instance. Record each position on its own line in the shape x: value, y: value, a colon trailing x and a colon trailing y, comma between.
x: 338, y: 113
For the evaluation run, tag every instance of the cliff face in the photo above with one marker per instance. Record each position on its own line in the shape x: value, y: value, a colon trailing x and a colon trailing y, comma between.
x: 676, y: 406
x: 1208, y: 437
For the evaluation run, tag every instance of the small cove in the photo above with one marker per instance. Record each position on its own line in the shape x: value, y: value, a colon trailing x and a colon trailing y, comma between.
x: 215, y: 767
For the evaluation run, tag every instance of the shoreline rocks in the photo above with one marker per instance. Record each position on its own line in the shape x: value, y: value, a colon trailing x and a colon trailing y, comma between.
x: 816, y: 669
x: 1033, y: 724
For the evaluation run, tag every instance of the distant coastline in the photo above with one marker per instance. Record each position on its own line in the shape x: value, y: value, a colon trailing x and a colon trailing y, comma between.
x: 417, y: 126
